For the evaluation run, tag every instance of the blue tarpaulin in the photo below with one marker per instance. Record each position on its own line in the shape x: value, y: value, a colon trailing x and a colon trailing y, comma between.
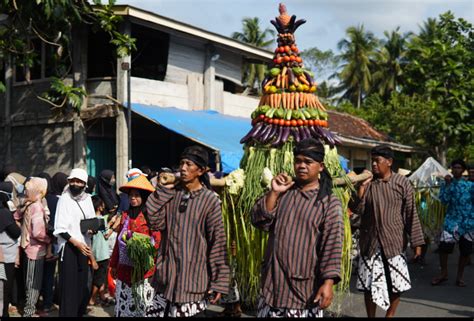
x: 217, y: 131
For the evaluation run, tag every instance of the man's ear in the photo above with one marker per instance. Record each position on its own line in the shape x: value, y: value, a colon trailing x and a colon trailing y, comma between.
x: 390, y: 161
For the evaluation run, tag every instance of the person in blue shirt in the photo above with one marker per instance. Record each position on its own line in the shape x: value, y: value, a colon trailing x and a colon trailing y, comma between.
x: 458, y: 194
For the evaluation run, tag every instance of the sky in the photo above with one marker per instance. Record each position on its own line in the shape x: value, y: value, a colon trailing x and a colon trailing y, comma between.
x: 327, y: 20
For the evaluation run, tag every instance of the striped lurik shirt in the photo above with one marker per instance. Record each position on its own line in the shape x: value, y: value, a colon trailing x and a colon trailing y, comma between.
x: 304, y: 246
x: 388, y: 217
x: 192, y: 258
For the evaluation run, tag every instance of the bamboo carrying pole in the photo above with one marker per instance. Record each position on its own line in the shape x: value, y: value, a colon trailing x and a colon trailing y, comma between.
x: 170, y: 178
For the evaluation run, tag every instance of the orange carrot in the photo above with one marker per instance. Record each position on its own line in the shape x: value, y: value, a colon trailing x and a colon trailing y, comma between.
x: 297, y: 100
x: 302, y: 78
x: 278, y: 100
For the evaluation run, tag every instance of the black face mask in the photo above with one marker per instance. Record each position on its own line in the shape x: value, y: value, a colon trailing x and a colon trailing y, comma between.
x: 76, y: 190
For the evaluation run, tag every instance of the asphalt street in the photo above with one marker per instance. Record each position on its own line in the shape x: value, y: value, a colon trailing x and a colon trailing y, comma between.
x: 423, y: 300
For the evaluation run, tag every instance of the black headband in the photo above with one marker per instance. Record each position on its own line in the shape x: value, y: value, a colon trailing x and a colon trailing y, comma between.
x: 310, y: 148
x: 197, y: 155
x: 382, y: 150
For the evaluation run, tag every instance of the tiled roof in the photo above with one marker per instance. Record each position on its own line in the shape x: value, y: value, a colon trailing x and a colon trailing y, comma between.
x: 349, y: 125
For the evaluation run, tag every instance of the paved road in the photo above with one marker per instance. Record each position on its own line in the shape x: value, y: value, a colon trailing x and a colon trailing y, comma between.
x: 423, y: 300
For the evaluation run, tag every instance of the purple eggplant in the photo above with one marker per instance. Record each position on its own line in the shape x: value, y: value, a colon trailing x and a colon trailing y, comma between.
x: 302, y: 132
x: 314, y: 132
x: 286, y: 133
x: 308, y: 78
x: 297, y: 24
x: 129, y: 234
x: 278, y: 136
x: 267, y: 134
x: 251, y: 132
x: 277, y: 25
x: 258, y: 137
x: 264, y: 81
x: 291, y: 76
x: 328, y: 136
x: 337, y: 140
x: 291, y: 24
x: 296, y: 134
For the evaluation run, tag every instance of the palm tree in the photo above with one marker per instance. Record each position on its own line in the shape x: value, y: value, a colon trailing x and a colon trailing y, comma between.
x: 389, y: 62
x: 253, y: 35
x: 357, y: 53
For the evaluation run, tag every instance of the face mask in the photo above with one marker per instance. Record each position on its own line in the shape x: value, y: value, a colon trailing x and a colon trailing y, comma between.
x: 76, y: 190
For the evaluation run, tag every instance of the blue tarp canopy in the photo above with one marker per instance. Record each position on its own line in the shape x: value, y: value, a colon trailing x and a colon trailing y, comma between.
x: 207, y: 127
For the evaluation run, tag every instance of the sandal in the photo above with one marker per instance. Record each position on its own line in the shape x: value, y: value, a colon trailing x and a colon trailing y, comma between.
x: 438, y: 280
x: 461, y: 283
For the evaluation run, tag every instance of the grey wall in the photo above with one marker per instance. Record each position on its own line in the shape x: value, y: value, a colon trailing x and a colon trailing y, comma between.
x: 39, y: 148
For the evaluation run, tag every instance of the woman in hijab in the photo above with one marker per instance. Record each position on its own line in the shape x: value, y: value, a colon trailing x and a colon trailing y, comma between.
x: 56, y: 186
x: 34, y: 239
x: 9, y: 237
x: 106, y: 191
x: 134, y: 220
x: 73, y: 206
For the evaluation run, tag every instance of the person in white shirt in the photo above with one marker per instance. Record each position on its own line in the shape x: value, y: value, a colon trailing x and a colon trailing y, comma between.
x: 73, y: 206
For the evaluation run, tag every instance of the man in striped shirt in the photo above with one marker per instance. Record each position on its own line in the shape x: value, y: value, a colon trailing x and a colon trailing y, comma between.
x: 191, y: 268
x: 303, y: 255
x: 388, y: 216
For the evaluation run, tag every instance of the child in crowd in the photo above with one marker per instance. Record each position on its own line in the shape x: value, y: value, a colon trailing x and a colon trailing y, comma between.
x: 100, y: 249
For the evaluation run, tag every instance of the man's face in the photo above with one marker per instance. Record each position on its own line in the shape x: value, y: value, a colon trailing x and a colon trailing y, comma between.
x: 457, y: 170
x: 189, y: 170
x: 471, y: 174
x: 307, y: 169
x: 381, y: 165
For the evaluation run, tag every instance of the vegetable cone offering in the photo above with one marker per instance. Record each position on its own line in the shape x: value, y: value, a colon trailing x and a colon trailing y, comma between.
x: 288, y: 112
x: 289, y: 106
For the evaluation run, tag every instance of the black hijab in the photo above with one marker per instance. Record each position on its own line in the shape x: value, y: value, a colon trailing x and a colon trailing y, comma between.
x: 106, y: 191
x: 58, y: 183
x: 90, y: 184
x: 6, y: 217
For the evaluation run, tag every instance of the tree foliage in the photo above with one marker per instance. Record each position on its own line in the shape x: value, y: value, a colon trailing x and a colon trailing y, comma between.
x: 252, y: 34
x: 25, y: 24
x: 440, y: 69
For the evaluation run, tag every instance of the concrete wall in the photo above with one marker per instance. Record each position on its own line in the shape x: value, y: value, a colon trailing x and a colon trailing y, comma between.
x: 159, y: 93
x: 238, y: 105
x: 47, y: 147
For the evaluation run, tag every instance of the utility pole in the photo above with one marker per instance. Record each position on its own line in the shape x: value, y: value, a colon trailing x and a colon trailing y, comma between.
x: 126, y: 66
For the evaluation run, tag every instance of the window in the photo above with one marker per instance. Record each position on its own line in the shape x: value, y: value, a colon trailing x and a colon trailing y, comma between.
x: 101, y: 56
x: 150, y: 60
x: 46, y: 63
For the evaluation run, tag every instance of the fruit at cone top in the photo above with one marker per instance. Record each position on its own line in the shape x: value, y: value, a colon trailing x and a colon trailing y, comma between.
x: 284, y: 17
x: 292, y: 88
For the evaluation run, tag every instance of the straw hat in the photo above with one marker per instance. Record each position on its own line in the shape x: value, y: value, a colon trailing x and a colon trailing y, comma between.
x: 141, y: 183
